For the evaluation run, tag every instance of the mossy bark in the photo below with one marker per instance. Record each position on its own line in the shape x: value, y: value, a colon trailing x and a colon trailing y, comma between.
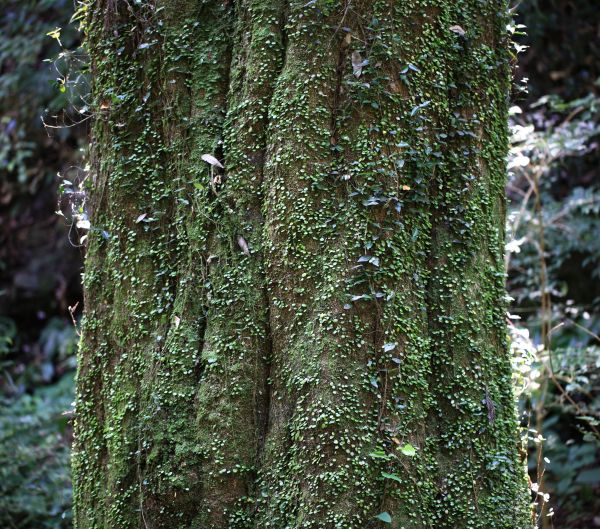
x: 313, y: 334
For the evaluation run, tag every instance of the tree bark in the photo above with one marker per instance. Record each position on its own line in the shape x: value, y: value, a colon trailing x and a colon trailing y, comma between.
x: 304, y: 329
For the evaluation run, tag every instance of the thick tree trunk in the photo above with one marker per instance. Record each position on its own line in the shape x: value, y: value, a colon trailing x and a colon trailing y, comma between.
x: 313, y: 335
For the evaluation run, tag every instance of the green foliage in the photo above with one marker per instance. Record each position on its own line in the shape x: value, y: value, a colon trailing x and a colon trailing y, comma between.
x: 554, y: 264
x: 35, y: 434
x: 570, y: 446
x: 35, y: 484
x: 557, y: 142
x: 37, y: 265
x: 29, y: 89
x: 39, y: 274
x: 50, y: 356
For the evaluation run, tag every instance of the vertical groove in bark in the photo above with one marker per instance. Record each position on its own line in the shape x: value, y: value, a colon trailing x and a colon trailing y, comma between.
x: 264, y: 343
x: 194, y: 77
x: 232, y: 397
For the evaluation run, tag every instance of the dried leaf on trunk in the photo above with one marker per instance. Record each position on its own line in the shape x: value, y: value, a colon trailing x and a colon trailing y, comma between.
x: 243, y: 245
x: 458, y: 30
x: 209, y: 158
x: 357, y: 64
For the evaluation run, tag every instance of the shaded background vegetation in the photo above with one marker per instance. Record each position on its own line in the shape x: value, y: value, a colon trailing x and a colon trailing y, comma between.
x: 553, y: 256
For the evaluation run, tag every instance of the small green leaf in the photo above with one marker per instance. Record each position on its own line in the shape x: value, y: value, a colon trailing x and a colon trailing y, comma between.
x: 54, y: 34
x: 379, y: 454
x: 384, y: 517
x: 408, y: 450
x: 391, y: 476
x: 591, y: 420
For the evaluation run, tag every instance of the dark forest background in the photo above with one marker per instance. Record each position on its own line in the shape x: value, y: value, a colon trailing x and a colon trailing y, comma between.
x: 553, y: 254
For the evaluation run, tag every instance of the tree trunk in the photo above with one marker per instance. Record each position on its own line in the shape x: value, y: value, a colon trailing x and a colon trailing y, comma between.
x: 313, y: 335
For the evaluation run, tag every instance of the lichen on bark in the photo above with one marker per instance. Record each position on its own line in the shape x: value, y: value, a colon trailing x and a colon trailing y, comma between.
x: 312, y: 334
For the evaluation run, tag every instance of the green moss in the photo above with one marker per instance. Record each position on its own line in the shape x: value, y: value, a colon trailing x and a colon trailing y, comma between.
x: 334, y: 292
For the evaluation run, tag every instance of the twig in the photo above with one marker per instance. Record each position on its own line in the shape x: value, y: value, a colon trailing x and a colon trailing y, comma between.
x: 72, y: 314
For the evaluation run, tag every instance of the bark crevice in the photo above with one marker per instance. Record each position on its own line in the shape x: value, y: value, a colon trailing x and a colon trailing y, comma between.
x: 302, y: 344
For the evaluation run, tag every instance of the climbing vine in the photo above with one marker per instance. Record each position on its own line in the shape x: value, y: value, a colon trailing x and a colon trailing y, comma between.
x: 295, y: 310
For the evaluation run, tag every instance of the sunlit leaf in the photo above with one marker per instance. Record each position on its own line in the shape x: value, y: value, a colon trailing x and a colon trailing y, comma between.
x: 379, y: 454
x: 408, y: 450
x: 55, y: 34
